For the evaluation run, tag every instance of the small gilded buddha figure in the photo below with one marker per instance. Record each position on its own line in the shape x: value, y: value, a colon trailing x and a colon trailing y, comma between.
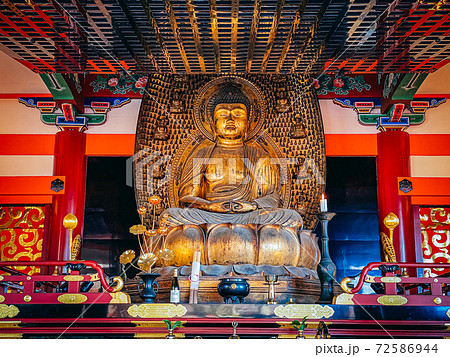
x: 230, y: 181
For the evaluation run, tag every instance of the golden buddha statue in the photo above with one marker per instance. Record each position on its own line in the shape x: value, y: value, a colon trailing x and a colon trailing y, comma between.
x: 230, y: 197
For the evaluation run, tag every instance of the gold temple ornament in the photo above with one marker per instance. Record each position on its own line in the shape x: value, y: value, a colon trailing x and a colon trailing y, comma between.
x: 151, y: 241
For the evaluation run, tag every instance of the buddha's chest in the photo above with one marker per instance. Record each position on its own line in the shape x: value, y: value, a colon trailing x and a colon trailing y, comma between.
x: 225, y: 167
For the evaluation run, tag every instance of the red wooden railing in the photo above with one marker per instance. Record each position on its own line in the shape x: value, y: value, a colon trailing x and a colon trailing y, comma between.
x: 398, y: 289
x: 30, y: 293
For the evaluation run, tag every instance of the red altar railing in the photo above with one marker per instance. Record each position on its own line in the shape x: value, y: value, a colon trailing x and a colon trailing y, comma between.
x: 398, y: 289
x: 70, y: 288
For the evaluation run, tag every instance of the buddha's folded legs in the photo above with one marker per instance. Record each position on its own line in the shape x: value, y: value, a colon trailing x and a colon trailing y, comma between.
x: 182, y: 216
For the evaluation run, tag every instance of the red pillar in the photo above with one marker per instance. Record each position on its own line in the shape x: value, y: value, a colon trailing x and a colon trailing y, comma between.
x: 69, y: 161
x: 392, y: 162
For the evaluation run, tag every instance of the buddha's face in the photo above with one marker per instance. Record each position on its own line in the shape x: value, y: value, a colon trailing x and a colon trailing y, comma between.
x: 230, y: 121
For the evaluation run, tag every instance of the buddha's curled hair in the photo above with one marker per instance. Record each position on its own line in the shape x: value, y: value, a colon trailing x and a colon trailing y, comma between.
x: 229, y: 93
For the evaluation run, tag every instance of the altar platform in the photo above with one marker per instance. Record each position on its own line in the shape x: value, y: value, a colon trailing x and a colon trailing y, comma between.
x: 81, y: 305
x: 215, y: 321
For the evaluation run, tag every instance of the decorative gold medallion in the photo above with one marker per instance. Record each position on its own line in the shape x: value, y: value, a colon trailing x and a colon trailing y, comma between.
x: 156, y: 310
x: 73, y: 278
x: 448, y: 313
x: 8, y: 311
x: 437, y: 301
x: 119, y: 298
x: 392, y: 300
x: 1, y: 278
x: 72, y: 298
x: 2, y: 298
x: 344, y: 299
x: 296, y: 311
x: 391, y: 279
x: 27, y: 298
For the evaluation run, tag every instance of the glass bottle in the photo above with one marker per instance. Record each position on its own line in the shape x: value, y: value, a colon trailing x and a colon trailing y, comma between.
x: 175, y: 289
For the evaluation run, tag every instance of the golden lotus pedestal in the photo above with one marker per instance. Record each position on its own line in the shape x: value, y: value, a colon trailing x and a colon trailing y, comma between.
x: 247, y: 251
x: 231, y: 243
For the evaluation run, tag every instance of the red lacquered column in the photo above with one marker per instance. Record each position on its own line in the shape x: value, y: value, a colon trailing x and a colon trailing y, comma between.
x: 392, y: 162
x: 69, y: 161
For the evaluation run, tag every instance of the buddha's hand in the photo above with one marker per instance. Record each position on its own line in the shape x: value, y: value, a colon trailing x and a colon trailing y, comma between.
x: 239, y: 206
x: 219, y: 206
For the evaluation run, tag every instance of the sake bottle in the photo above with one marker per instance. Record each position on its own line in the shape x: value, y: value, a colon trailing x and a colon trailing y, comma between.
x: 175, y: 289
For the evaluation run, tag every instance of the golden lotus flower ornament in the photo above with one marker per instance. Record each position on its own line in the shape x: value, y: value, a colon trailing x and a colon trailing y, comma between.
x: 147, y: 260
x: 154, y: 200
x: 166, y: 254
x: 137, y: 229
x: 151, y: 233
x: 142, y: 210
x: 127, y: 257
x: 163, y: 230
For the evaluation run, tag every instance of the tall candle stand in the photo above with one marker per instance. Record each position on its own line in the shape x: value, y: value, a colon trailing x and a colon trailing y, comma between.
x: 326, y: 268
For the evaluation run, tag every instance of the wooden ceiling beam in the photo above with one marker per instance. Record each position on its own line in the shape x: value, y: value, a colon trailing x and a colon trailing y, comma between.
x: 91, y: 22
x: 310, y: 35
x: 272, y: 34
x: 196, y: 34
x: 215, y: 33
x: 138, y: 33
x: 292, y: 32
x: 176, y: 34
x: 158, y: 36
x: 253, y: 33
x: 234, y: 33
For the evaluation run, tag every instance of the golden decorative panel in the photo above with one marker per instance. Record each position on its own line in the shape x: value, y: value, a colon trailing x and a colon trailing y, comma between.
x: 8, y: 311
x: 147, y: 324
x: 21, y: 233
x: 285, y: 110
x: 157, y: 335
x: 10, y: 324
x: 119, y: 298
x: 10, y: 335
x: 73, y: 278
x: 72, y: 298
x: 2, y: 298
x: 296, y: 311
x: 344, y: 299
x: 156, y: 310
x: 391, y: 279
x: 392, y: 300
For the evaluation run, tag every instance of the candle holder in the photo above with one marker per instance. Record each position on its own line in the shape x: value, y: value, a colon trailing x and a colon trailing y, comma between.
x: 326, y: 268
x: 272, y: 281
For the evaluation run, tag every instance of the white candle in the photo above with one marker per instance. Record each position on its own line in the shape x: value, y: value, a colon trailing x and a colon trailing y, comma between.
x: 323, y: 204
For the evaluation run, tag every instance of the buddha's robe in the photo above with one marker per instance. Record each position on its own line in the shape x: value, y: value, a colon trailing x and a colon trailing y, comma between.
x: 254, y: 179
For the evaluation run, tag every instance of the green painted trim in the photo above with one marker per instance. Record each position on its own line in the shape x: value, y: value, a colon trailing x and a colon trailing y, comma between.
x: 372, y: 119
x: 402, y: 92
x: 57, y: 86
x: 92, y: 119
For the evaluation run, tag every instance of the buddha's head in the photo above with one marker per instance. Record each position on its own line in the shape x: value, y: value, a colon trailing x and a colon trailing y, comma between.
x: 230, y: 121
x: 230, y: 108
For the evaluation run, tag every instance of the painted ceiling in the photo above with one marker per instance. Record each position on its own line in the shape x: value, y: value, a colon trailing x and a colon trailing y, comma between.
x: 201, y: 36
